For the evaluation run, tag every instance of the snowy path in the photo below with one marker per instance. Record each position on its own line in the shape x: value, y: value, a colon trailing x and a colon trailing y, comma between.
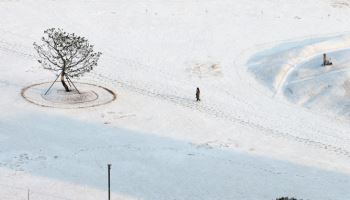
x: 212, y: 110
x: 242, y: 141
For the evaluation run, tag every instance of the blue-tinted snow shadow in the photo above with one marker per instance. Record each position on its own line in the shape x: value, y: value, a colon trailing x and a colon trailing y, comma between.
x: 310, y: 76
x: 265, y: 65
x: 152, y: 167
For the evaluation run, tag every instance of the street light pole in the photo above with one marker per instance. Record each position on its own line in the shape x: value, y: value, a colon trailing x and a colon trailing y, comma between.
x: 109, y: 181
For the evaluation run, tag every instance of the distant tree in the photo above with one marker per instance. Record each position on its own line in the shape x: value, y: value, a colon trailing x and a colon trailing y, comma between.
x: 66, y: 53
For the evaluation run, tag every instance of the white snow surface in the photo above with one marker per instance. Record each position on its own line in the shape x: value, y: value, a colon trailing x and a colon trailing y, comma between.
x: 295, y: 70
x: 249, y: 138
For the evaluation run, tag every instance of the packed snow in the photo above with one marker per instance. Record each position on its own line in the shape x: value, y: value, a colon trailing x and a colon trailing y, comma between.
x: 271, y: 122
x: 295, y: 70
x: 88, y: 95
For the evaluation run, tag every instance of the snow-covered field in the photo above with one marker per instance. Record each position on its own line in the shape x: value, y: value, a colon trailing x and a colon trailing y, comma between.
x: 272, y: 122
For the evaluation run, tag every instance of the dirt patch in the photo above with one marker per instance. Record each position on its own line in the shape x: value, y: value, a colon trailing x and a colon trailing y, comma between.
x: 203, y: 70
x: 340, y: 3
x: 89, y: 95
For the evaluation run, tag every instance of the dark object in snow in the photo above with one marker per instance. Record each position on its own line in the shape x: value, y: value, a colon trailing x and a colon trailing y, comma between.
x: 198, y: 93
x: 286, y: 198
x: 326, y: 61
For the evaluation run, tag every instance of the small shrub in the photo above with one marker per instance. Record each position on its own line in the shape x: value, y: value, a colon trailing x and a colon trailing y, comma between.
x: 287, y: 198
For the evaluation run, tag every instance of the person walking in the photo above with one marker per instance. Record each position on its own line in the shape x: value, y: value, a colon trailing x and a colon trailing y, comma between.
x: 198, y: 93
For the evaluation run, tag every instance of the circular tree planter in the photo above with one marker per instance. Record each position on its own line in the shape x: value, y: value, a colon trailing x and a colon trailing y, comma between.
x: 89, y: 95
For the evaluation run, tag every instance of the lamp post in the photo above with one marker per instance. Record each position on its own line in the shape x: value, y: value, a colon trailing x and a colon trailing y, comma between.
x: 109, y: 181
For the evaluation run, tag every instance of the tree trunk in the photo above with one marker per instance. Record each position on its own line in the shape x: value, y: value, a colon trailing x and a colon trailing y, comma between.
x: 64, y: 83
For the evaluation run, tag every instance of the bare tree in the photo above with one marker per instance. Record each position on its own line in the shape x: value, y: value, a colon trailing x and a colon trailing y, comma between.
x: 67, y: 54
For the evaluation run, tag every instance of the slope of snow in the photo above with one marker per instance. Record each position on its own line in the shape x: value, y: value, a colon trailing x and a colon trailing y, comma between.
x: 295, y: 70
x: 242, y: 141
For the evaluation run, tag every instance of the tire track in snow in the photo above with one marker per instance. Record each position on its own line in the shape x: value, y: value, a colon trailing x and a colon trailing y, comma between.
x: 316, y: 76
x: 15, y: 49
x: 218, y: 113
x: 240, y: 70
x: 191, y: 104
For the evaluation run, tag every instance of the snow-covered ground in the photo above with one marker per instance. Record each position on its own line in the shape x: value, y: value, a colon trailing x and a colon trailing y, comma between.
x: 295, y: 70
x: 272, y: 122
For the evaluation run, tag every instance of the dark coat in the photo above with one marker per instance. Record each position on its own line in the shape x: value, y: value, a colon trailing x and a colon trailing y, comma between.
x: 198, y: 93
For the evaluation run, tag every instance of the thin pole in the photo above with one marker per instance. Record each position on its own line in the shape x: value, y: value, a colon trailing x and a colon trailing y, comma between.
x: 109, y: 181
x: 68, y: 81
x: 72, y: 83
x: 52, y: 84
x: 28, y: 193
